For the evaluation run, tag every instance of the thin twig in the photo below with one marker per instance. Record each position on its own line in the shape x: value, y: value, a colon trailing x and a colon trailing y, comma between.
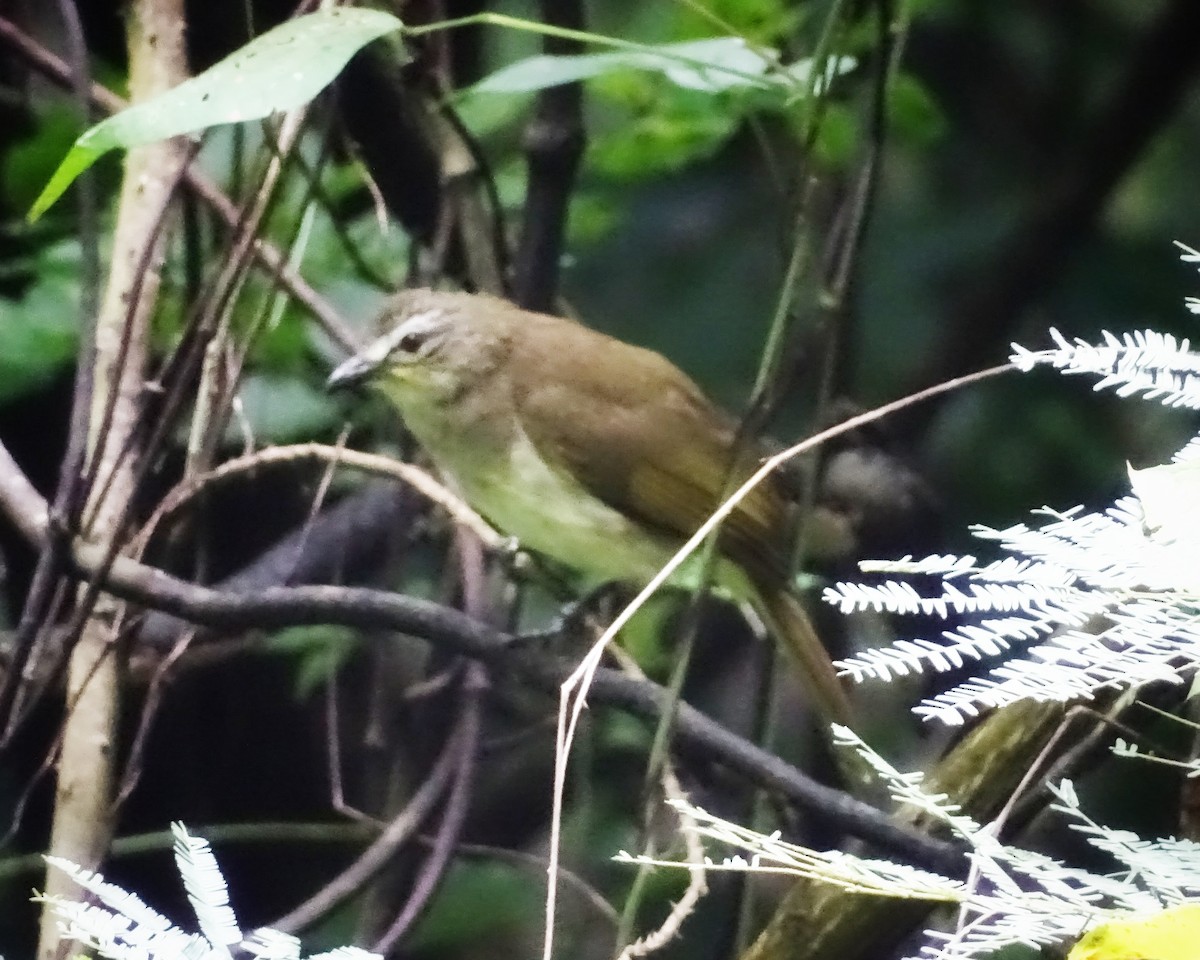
x: 159, y: 684
x: 381, y: 851
x: 694, y: 849
x: 369, y: 463
x: 433, y: 870
x: 70, y: 490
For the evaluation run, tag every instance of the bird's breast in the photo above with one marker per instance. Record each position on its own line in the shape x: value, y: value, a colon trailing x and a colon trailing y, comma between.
x: 550, y: 512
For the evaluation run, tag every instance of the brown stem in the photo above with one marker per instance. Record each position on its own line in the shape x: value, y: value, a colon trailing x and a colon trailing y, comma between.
x: 402, y: 828
x: 433, y: 871
x: 83, y: 815
x: 554, y: 143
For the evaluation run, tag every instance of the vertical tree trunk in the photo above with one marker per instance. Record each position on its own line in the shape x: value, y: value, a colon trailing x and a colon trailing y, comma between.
x: 83, y: 813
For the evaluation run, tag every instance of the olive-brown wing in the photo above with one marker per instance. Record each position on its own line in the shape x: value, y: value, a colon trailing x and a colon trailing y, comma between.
x: 639, y: 435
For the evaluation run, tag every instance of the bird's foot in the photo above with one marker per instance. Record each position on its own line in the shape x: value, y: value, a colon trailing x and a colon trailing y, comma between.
x: 578, y: 622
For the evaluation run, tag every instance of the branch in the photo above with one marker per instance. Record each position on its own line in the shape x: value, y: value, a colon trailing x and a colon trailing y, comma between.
x: 554, y: 142
x: 377, y: 609
x: 277, y: 607
x: 344, y: 542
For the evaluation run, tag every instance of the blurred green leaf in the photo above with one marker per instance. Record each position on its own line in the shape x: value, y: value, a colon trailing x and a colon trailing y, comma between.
x: 280, y: 70
x: 765, y: 21
x: 592, y: 216
x: 283, y: 409
x: 320, y: 652
x: 646, y: 126
x: 719, y: 63
x: 493, y: 114
x: 476, y: 901
x: 283, y: 348
x: 621, y: 733
x: 40, y: 332
x: 648, y: 637
x: 838, y: 136
x: 650, y: 129
x: 913, y: 112
x: 31, y: 161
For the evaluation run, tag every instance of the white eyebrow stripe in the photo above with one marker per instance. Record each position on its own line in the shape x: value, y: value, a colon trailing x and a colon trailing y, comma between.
x: 382, y: 348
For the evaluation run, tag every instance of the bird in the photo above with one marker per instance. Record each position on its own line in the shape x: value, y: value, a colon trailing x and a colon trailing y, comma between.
x: 598, y: 454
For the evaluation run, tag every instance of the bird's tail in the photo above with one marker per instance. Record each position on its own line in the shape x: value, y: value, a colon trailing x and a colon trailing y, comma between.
x: 788, y: 622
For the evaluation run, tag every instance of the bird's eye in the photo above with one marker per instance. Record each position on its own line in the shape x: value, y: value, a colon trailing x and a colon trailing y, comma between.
x: 410, y: 343
x: 416, y: 337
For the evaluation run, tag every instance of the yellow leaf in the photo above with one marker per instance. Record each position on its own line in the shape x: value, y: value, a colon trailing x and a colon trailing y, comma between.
x: 1169, y: 935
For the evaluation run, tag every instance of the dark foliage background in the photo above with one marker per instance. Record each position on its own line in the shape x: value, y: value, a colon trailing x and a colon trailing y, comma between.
x: 1036, y: 164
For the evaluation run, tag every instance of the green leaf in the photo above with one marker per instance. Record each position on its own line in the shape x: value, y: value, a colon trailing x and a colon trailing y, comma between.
x: 646, y: 127
x: 39, y: 333
x: 320, y: 651
x: 29, y: 162
x: 838, y: 135
x: 712, y: 65
x: 913, y: 111
x: 280, y: 70
x: 759, y: 20
x: 647, y: 638
x: 478, y: 903
x: 282, y: 409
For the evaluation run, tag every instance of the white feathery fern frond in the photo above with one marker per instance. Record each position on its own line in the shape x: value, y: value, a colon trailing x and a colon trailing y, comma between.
x: 122, y: 927
x: 990, y: 637
x: 1189, y: 255
x: 898, y: 596
x: 274, y: 944
x: 112, y: 896
x: 1019, y: 570
x: 1094, y: 600
x: 206, y: 889
x: 1088, y: 600
x: 111, y: 933
x: 771, y: 854
x: 906, y: 788
x: 1168, y: 869
x: 1190, y: 452
x: 946, y: 565
x: 1132, y: 751
x: 1014, y: 896
x: 1143, y: 363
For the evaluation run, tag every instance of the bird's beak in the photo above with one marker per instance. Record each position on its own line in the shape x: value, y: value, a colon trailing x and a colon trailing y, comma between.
x: 351, y: 372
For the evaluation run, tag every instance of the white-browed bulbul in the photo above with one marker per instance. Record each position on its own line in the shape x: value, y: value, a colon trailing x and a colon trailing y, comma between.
x: 601, y: 455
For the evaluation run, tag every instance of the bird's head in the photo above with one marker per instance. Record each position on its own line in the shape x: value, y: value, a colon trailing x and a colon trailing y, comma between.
x: 437, y: 343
